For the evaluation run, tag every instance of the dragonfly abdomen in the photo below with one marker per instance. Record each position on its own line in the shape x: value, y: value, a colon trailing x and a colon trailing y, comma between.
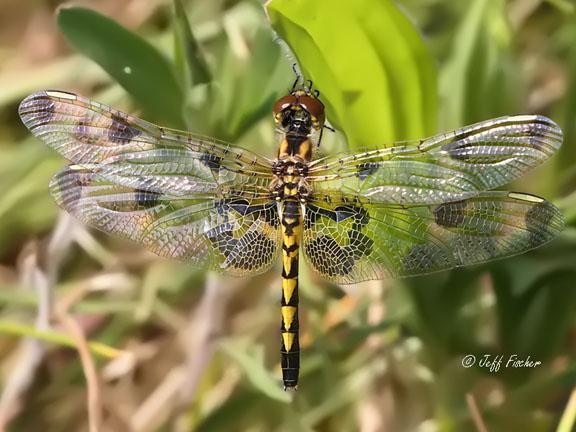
x: 291, y: 232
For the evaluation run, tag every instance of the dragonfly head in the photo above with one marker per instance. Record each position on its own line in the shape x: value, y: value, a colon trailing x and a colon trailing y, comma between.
x: 299, y: 113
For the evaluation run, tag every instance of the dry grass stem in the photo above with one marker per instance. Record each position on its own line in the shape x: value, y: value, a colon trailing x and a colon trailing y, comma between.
x: 475, y: 413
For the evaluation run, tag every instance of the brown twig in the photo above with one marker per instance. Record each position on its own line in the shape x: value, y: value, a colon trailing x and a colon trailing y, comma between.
x: 88, y: 367
x: 206, y: 325
x: 475, y: 413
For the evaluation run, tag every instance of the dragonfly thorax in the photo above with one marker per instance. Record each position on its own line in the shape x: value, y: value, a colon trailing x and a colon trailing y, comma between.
x: 290, y: 179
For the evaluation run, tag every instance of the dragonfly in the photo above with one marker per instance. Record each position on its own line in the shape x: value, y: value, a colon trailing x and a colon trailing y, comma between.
x: 401, y: 210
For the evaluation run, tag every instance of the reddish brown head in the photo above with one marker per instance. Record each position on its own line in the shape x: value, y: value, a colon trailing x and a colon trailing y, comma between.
x: 299, y: 112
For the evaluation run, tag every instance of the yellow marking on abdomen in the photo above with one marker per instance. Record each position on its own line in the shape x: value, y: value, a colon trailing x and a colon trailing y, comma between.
x: 288, y: 313
x: 288, y: 339
x: 288, y: 287
x: 287, y: 262
x: 290, y: 240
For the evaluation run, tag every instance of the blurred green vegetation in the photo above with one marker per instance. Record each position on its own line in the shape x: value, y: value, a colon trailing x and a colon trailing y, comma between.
x: 201, y: 353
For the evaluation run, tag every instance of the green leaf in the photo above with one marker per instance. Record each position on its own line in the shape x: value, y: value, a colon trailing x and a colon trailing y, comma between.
x: 232, y: 413
x: 564, y: 6
x: 189, y: 57
x: 480, y: 79
x: 249, y: 87
x: 444, y: 295
x: 252, y: 363
x: 565, y: 159
x: 534, y: 317
x: 135, y: 64
x: 377, y: 77
x: 57, y: 338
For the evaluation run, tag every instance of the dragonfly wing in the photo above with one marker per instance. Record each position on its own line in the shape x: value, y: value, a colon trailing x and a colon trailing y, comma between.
x: 447, y: 167
x: 351, y: 242
x: 231, y: 234
x: 87, y: 132
x: 180, y: 195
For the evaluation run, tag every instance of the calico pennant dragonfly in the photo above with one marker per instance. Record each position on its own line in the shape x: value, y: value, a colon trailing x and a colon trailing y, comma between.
x: 412, y: 208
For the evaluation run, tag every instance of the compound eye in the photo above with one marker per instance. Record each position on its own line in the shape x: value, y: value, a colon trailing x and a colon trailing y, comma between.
x: 283, y: 103
x: 314, y: 107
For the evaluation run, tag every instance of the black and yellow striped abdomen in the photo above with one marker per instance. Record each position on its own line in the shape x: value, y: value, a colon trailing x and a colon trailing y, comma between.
x: 295, y: 149
x: 291, y: 232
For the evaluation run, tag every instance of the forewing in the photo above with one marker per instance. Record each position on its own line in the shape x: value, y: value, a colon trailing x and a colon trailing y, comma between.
x: 86, y: 132
x: 352, y: 241
x: 447, y: 167
x: 180, y: 195
x: 232, y: 234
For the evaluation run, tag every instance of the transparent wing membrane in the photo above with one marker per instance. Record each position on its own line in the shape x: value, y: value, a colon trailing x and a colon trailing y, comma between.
x: 415, y: 208
x: 84, y: 131
x: 347, y: 243
x: 233, y: 235
x: 180, y: 195
x: 447, y: 167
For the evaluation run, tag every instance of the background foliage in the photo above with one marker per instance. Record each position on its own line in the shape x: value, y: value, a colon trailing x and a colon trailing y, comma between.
x: 177, y: 349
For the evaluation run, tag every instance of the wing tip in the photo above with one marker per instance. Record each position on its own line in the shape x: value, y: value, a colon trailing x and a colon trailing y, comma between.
x: 24, y: 109
x: 545, y: 134
x: 39, y: 107
x: 36, y: 108
x: 543, y: 213
x: 551, y: 130
x: 554, y: 127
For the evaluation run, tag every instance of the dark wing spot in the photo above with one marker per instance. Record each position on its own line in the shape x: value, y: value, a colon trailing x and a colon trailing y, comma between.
x: 339, y: 214
x: 146, y: 199
x: 325, y: 253
x: 67, y: 187
x: 344, y: 212
x: 459, y: 151
x: 360, y: 215
x: 487, y: 248
x: 121, y: 132
x: 240, y: 206
x: 42, y: 108
x: 82, y: 131
x: 419, y: 259
x: 311, y: 216
x: 329, y: 257
x: 539, y: 223
x: 360, y: 244
x: 313, y: 213
x: 269, y: 212
x: 224, y: 206
x: 424, y: 258
x: 211, y: 161
x: 249, y: 252
x: 367, y: 169
x: 450, y: 214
